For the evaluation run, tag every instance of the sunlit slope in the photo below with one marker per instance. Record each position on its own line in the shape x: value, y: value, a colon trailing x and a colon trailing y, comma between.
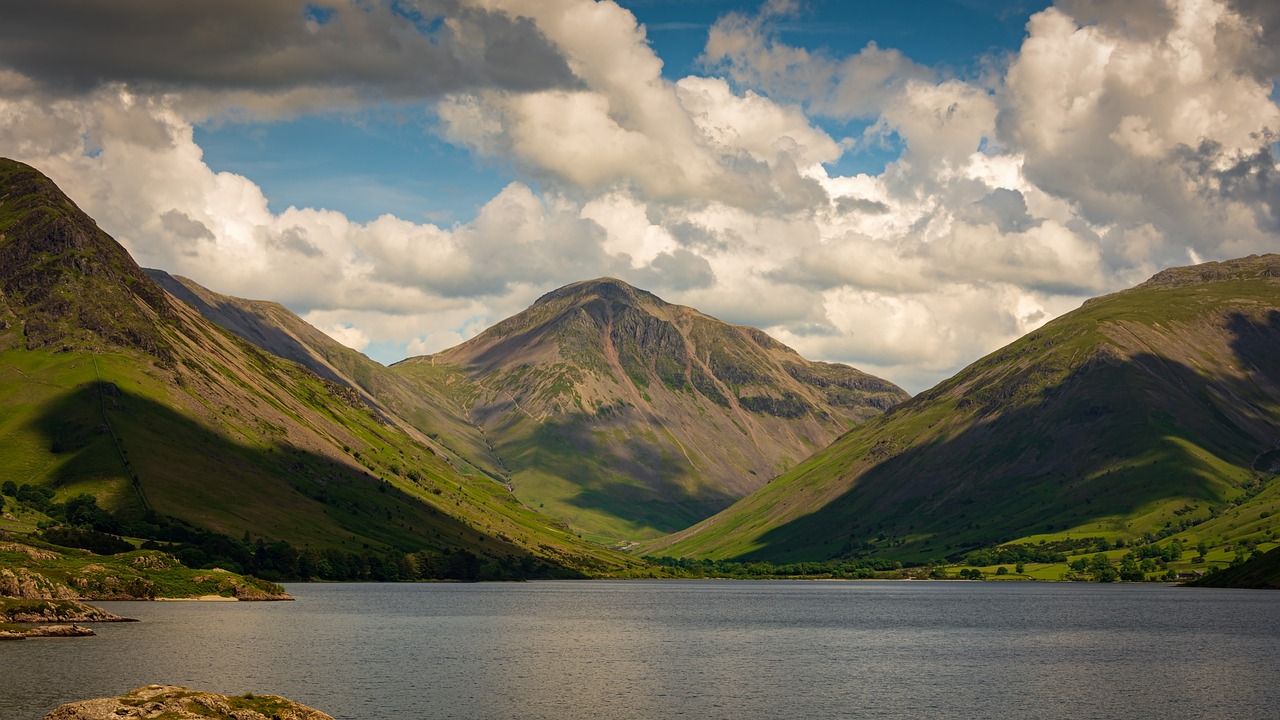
x: 1151, y: 411
x: 434, y: 418
x: 626, y: 416
x: 1261, y: 572
x: 108, y: 385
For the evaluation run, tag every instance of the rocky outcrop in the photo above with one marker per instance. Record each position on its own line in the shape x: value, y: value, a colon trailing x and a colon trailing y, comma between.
x: 179, y: 703
x: 53, y: 611
x: 130, y: 576
x: 19, y: 633
x: 24, y: 584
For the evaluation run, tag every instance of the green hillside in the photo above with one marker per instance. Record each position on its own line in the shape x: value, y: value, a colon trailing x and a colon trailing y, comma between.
x: 1144, y: 415
x: 1261, y: 572
x: 111, y: 387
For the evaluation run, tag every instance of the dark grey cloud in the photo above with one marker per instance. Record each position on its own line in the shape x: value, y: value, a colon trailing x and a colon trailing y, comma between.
x: 1145, y: 19
x: 1263, y: 56
x: 382, y: 49
x: 186, y: 231
x: 679, y: 270
x: 848, y: 205
x: 1250, y: 179
x: 295, y: 239
x: 1002, y: 207
x: 182, y: 225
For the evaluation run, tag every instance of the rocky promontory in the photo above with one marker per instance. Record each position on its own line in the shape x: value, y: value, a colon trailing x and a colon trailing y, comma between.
x: 179, y: 703
x: 35, y: 570
x: 20, y: 632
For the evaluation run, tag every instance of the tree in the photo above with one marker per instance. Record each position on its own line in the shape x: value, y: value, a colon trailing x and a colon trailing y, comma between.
x: 1203, y: 548
x: 1020, y: 568
x: 1002, y: 570
x: 9, y: 488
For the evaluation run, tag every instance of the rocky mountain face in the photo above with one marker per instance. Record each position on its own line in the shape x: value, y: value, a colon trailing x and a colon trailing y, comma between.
x: 626, y: 416
x: 67, y: 281
x: 603, y: 406
x: 111, y: 386
x: 1149, y: 413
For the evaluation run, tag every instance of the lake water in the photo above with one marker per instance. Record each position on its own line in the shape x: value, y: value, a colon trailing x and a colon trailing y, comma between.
x: 740, y: 650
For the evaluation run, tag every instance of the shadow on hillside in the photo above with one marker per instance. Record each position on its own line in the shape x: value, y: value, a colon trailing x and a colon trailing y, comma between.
x: 179, y: 468
x: 571, y: 450
x: 1112, y: 437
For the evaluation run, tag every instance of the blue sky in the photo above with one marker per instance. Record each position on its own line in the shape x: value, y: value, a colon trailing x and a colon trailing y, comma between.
x: 389, y: 160
x: 904, y: 187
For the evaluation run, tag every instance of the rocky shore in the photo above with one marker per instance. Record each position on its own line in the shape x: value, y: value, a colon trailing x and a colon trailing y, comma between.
x: 16, y: 632
x: 179, y: 703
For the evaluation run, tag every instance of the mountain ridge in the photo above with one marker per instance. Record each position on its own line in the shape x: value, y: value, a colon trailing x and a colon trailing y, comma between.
x: 564, y: 389
x: 112, y: 387
x: 1140, y: 415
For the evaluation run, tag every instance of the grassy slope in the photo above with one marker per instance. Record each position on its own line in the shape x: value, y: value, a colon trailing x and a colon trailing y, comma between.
x: 627, y: 417
x: 435, y: 419
x: 108, y: 386
x: 1141, y: 411
x: 1260, y: 572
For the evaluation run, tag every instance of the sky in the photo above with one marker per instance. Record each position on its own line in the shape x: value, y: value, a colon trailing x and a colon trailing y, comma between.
x: 903, y: 187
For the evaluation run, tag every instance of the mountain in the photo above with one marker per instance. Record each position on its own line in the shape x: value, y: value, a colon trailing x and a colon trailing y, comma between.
x: 1149, y: 413
x: 112, y: 387
x: 410, y: 405
x: 627, y: 416
x: 601, y: 405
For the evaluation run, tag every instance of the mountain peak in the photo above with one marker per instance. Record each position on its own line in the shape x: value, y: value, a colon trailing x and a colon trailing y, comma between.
x: 1245, y: 268
x: 608, y: 288
x: 68, y: 281
x: 627, y: 416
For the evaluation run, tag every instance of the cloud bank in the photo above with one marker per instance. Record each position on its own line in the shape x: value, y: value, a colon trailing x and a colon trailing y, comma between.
x: 1116, y: 141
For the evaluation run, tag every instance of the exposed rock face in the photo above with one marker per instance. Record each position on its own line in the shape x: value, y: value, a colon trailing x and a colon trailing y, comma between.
x: 23, y: 584
x: 179, y: 703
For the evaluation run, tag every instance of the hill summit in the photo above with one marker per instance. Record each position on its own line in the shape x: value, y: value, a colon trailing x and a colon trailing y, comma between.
x: 627, y: 416
x: 67, y: 282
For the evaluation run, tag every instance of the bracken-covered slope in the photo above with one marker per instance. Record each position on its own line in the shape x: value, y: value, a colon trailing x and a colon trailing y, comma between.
x: 1150, y: 412
x: 112, y: 387
x: 627, y: 416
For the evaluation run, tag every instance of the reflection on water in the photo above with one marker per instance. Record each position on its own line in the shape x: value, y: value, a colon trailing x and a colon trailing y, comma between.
x: 740, y: 650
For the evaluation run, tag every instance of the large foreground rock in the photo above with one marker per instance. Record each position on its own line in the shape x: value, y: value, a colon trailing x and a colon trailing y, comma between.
x: 179, y: 703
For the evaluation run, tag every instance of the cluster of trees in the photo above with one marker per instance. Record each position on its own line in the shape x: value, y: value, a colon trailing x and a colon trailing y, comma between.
x: 1014, y: 554
x: 1158, y: 553
x: 850, y: 569
x: 278, y: 561
x: 80, y: 523
x: 80, y: 511
x: 1099, y: 568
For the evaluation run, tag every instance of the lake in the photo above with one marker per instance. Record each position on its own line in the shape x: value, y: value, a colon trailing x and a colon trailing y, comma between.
x: 698, y: 649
